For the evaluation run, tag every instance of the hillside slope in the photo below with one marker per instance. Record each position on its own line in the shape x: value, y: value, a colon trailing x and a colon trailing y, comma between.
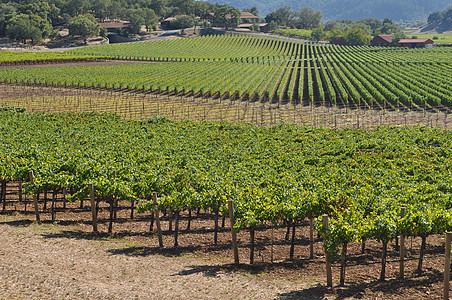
x: 397, y: 10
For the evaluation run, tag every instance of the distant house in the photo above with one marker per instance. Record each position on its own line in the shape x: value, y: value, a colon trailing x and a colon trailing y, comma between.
x: 382, y: 40
x: 248, y: 17
x: 245, y: 17
x: 114, y: 26
x: 416, y: 43
x: 263, y: 27
x: 166, y: 23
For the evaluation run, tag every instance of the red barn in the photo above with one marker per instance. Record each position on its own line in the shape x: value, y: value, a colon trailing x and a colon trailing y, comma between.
x: 382, y: 40
x: 415, y: 43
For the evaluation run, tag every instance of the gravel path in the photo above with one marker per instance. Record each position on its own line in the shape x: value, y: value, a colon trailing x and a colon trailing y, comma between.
x: 43, y: 261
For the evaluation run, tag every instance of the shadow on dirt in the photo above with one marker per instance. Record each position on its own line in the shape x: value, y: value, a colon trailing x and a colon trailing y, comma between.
x: 80, y: 235
x: 17, y: 223
x: 358, y: 291
x: 256, y: 268
x: 146, y: 251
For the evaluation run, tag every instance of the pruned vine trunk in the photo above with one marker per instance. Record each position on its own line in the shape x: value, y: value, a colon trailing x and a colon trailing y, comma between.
x: 81, y: 203
x: 151, y: 226
x: 3, y: 194
x: 215, y: 234
x: 251, y: 245
x: 132, y: 207
x: 383, y: 261
x: 110, y: 224
x: 45, y: 200
x: 343, y: 262
x: 170, y: 221
x: 176, y: 228
x: 287, y: 231
x: 292, y: 241
x: 54, y: 194
x: 189, y: 219
x: 421, y: 254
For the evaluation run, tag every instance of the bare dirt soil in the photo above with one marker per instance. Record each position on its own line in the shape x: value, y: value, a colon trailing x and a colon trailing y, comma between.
x: 63, y: 259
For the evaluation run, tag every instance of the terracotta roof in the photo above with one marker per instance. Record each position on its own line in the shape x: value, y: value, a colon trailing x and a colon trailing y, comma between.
x: 414, y: 41
x: 388, y: 38
x: 244, y: 15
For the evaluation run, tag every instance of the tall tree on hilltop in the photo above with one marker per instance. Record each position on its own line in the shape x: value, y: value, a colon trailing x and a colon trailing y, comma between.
x: 309, y: 19
x: 84, y: 26
x: 227, y: 15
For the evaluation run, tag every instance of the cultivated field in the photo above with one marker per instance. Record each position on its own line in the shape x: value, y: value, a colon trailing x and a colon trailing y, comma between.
x: 181, y: 141
x: 264, y: 70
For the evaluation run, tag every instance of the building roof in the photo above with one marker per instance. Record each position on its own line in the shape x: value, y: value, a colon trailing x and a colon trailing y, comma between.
x: 248, y: 15
x: 169, y: 19
x: 246, y: 25
x: 243, y: 15
x: 387, y: 37
x: 107, y: 25
x: 415, y: 41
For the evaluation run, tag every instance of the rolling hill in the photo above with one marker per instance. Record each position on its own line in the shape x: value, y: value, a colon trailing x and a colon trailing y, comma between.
x: 397, y: 10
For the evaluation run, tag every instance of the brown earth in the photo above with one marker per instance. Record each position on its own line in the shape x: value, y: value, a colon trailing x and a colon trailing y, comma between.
x: 65, y: 260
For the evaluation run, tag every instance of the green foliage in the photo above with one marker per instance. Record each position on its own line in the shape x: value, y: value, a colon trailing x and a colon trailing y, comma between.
x: 12, y: 109
x: 182, y: 22
x: 259, y: 66
x: 42, y: 57
x: 441, y: 19
x: 227, y: 15
x: 136, y: 21
x: 308, y: 18
x: 84, y: 26
x: 295, y: 33
x: 29, y: 27
x: 282, y: 16
x: 356, y: 36
x: 399, y: 10
x: 361, y: 179
x: 318, y: 34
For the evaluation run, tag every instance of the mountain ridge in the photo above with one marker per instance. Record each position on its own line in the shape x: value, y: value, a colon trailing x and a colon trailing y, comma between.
x: 397, y: 10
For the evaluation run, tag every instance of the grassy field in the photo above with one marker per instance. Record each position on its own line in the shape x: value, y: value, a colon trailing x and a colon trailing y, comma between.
x: 440, y: 39
x: 295, y: 33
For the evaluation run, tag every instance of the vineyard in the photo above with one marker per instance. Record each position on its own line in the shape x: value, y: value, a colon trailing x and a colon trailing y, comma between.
x: 276, y: 176
x: 18, y: 58
x: 131, y: 104
x: 128, y: 137
x: 260, y: 69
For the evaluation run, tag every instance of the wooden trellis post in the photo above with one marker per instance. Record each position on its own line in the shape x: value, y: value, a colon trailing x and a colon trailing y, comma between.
x: 35, y: 198
x: 329, y: 275
x: 447, y: 266
x: 234, y: 235
x: 93, y: 206
x: 157, y: 219
x: 402, y: 247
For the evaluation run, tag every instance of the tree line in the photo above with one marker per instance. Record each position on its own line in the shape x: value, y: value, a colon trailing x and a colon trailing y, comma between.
x: 442, y: 20
x: 33, y: 20
x: 346, y: 31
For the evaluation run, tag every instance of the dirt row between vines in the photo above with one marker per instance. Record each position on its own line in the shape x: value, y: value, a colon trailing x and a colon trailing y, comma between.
x: 64, y: 260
